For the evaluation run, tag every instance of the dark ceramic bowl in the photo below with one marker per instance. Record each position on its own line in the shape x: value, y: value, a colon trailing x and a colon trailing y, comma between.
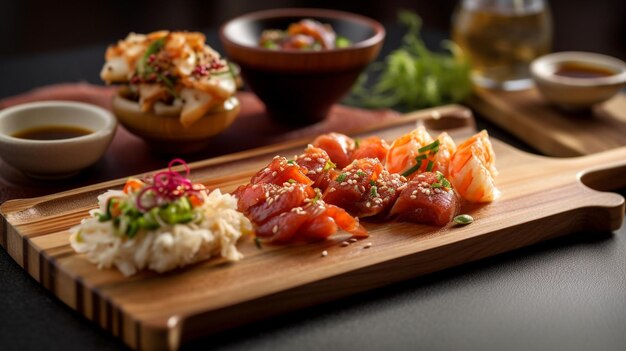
x: 299, y: 87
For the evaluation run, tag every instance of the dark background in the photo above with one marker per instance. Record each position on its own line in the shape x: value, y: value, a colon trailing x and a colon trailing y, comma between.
x: 35, y: 26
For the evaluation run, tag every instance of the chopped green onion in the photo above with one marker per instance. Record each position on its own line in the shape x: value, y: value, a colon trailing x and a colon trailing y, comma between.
x: 413, y: 169
x: 340, y: 178
x: 374, y: 191
x: 357, y: 143
x: 435, y: 185
x: 429, y: 166
x: 329, y: 165
x: 434, y: 146
x: 318, y: 195
x: 361, y: 173
x: 446, y: 183
x: 291, y: 180
x: 290, y: 162
x: 463, y: 219
x: 372, y: 182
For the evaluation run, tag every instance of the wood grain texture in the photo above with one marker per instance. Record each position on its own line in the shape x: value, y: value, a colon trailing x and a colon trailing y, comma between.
x: 542, y: 198
x: 554, y: 132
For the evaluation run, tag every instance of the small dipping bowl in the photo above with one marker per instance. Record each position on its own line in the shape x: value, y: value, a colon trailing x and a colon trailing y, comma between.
x: 57, y: 158
x: 575, y: 81
x: 164, y: 132
x: 298, y: 87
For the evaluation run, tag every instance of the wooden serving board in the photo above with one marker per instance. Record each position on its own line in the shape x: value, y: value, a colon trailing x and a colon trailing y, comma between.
x: 541, y: 198
x: 554, y: 132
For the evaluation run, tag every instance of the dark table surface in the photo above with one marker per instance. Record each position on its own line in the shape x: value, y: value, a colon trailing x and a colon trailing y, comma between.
x: 565, y: 294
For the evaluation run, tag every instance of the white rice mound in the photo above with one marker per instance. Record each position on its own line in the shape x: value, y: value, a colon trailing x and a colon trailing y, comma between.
x: 168, y: 247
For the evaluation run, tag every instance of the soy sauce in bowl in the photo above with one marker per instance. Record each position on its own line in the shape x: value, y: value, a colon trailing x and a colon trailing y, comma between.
x: 581, y: 70
x: 52, y: 133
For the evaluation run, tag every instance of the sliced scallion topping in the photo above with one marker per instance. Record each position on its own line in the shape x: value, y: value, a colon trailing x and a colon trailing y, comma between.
x: 340, y: 178
x: 434, y: 147
x: 374, y: 191
x: 318, y: 195
x: 329, y: 165
x: 413, y: 169
x: 429, y: 166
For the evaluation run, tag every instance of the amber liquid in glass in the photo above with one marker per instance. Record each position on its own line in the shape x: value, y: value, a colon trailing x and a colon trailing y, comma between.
x: 501, y: 38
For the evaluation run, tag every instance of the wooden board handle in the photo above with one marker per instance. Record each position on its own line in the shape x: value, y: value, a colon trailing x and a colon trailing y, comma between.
x: 611, y: 175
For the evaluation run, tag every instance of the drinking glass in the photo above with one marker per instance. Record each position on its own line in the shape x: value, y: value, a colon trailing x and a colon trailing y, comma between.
x: 501, y: 38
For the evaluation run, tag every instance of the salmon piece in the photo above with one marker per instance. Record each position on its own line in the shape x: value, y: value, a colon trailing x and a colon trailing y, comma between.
x: 473, y: 169
x: 370, y: 147
x: 429, y: 199
x: 312, y: 222
x: 364, y: 188
x: 317, y: 166
x: 412, y: 153
x: 337, y: 146
x: 281, y: 171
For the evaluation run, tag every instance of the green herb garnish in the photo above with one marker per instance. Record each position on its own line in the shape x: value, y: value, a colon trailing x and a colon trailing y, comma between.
x: 329, y: 165
x: 361, y: 173
x: 429, y: 166
x: 372, y: 182
x: 340, y: 178
x: 444, y: 182
x: 290, y: 162
x: 414, y: 77
x: 433, y: 147
x: 142, y: 66
x: 169, y: 84
x: 413, y: 169
x: 357, y: 143
x: 463, y: 219
x: 291, y: 181
x: 318, y: 195
x: 374, y: 191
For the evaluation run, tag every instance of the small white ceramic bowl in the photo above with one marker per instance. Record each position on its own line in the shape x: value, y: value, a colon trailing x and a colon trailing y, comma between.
x: 55, y: 158
x: 572, y: 93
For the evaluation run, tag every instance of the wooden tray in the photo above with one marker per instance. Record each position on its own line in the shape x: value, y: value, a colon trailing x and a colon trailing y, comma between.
x: 528, y: 116
x: 542, y: 198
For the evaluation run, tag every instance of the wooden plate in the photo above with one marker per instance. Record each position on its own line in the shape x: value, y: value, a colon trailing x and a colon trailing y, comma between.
x: 542, y: 198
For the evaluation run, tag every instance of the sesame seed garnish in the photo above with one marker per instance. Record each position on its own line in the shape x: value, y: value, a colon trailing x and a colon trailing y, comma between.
x: 345, y: 243
x: 352, y: 240
x: 367, y: 246
x: 324, y: 253
x: 275, y: 229
x: 274, y: 174
x: 413, y: 197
